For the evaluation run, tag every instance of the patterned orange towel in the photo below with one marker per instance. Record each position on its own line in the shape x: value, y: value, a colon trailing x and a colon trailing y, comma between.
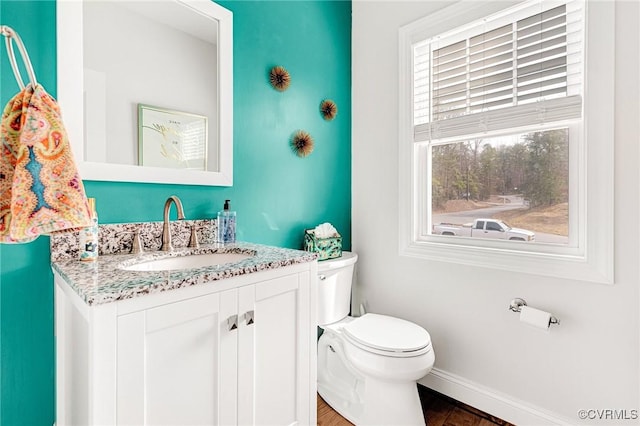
x: 40, y: 189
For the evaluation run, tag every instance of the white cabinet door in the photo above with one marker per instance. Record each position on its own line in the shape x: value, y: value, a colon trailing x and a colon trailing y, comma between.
x: 240, y: 356
x: 273, y: 352
x: 169, y: 363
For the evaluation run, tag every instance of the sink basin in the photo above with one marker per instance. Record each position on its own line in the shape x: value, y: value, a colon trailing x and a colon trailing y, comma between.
x: 187, y: 262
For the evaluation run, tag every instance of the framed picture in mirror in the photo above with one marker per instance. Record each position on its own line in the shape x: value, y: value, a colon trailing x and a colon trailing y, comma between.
x: 171, y: 139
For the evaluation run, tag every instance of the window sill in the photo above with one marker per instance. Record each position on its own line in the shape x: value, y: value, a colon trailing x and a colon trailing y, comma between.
x: 566, y: 263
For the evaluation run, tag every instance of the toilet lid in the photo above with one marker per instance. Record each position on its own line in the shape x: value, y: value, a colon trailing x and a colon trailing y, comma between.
x: 387, y: 333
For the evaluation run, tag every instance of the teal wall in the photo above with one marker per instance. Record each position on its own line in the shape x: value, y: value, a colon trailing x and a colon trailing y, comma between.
x: 276, y: 194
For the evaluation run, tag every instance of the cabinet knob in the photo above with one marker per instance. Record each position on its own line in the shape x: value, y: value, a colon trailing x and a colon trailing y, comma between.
x: 248, y: 317
x: 232, y: 322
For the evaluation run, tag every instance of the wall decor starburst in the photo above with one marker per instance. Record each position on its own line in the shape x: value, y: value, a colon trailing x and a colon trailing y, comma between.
x: 279, y: 78
x: 302, y: 143
x: 328, y: 109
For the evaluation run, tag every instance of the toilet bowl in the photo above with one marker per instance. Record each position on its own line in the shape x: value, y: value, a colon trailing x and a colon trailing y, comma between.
x: 368, y: 365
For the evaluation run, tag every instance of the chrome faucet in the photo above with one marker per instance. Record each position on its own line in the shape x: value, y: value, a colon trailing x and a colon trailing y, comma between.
x: 166, y: 232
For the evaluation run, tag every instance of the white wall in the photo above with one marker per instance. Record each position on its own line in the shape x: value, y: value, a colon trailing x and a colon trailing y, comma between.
x: 484, y: 356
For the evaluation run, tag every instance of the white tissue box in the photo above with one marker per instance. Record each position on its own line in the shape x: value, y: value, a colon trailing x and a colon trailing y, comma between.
x: 327, y: 248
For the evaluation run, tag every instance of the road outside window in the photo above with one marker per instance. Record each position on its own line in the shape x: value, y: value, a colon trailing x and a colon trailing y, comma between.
x: 513, y: 188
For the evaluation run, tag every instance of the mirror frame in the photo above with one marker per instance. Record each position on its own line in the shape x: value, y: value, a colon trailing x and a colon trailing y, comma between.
x: 70, y: 98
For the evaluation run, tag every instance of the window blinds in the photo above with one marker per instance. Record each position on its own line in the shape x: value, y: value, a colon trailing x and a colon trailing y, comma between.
x: 520, y: 69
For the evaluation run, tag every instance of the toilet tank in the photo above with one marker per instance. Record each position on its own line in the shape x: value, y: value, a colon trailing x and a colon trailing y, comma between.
x: 334, y: 287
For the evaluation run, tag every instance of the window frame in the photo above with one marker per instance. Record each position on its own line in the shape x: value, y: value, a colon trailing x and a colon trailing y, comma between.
x: 589, y: 254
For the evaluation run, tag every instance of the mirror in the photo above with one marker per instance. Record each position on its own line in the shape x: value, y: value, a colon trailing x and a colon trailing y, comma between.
x: 146, y: 89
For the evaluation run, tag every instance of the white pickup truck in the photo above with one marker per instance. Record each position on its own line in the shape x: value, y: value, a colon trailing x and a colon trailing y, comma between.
x: 485, y: 228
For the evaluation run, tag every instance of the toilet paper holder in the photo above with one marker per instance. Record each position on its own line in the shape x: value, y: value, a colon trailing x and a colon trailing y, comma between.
x: 517, y: 303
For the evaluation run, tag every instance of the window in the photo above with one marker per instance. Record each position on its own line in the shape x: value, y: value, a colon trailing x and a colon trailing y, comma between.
x: 497, y: 117
x: 493, y: 226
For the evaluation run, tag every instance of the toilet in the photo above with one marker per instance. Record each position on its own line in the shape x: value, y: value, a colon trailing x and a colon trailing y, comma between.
x: 368, y: 366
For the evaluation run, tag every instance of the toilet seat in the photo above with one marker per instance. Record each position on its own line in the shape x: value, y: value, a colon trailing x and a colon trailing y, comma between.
x: 388, y: 336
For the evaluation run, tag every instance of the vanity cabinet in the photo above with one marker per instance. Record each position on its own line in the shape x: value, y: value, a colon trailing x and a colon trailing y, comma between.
x: 235, y: 351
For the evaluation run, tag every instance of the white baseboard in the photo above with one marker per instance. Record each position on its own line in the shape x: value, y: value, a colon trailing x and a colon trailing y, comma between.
x: 490, y: 401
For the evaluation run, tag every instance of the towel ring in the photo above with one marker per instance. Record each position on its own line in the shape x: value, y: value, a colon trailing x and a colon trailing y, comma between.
x: 10, y: 34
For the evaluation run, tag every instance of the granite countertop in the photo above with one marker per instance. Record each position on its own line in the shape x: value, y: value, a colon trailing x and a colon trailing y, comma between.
x: 103, y: 281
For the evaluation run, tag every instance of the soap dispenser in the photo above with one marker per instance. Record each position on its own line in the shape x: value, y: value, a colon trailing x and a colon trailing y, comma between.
x: 226, y: 224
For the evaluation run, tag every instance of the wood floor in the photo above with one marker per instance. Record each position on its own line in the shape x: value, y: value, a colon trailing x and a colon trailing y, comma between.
x: 439, y: 410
